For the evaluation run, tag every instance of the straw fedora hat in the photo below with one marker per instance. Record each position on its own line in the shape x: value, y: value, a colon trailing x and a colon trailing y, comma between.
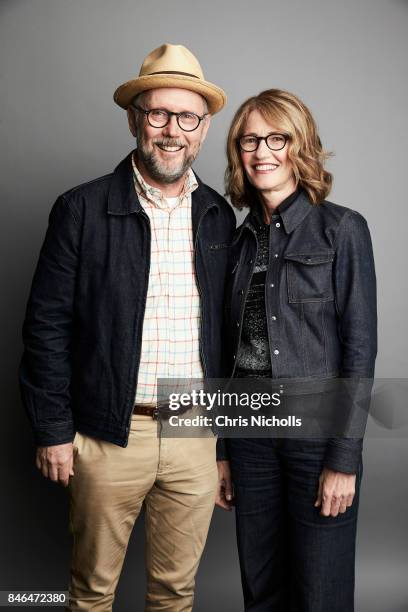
x: 171, y: 66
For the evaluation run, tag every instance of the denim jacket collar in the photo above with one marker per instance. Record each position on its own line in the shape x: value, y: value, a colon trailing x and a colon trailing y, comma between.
x: 291, y: 216
x: 122, y: 198
x: 296, y: 212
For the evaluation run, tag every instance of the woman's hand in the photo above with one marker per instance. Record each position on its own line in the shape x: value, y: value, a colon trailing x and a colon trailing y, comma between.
x: 336, y: 492
x: 225, y: 495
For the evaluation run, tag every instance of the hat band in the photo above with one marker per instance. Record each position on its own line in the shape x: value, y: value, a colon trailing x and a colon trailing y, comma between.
x: 174, y: 72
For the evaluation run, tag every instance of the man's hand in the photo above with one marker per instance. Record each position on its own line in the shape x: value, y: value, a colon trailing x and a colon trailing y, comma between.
x: 336, y: 492
x: 56, y: 462
x: 224, y: 497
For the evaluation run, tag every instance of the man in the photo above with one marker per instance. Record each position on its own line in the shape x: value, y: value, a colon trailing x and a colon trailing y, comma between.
x: 128, y: 289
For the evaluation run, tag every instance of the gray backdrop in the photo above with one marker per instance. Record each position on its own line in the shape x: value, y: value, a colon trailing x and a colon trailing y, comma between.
x: 60, y: 63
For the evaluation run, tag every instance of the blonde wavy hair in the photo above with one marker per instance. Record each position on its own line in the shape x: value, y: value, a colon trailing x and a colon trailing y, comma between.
x: 288, y: 114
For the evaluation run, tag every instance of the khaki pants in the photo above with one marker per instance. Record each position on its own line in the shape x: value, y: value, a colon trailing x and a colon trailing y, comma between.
x: 176, y: 479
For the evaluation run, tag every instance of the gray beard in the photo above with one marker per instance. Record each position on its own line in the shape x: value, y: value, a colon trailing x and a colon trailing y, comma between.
x: 157, y: 170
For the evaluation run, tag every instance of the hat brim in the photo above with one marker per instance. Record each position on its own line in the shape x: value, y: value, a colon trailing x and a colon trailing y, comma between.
x: 215, y: 96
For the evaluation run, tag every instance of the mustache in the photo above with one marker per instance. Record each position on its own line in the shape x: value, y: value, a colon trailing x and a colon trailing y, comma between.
x: 168, y: 142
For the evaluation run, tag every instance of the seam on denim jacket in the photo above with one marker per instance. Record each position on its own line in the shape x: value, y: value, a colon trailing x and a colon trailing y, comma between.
x: 68, y: 205
x: 324, y: 336
x: 343, y: 222
x: 302, y: 335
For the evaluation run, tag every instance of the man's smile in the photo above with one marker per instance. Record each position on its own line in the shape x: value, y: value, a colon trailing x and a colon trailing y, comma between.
x: 170, y: 148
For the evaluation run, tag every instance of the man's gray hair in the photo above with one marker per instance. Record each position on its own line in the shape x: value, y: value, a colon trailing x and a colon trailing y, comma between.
x: 138, y: 100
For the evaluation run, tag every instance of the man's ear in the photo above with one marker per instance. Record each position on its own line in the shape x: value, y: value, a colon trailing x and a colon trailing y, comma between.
x: 131, y: 115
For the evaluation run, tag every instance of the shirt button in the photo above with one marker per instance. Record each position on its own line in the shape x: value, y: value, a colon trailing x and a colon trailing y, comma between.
x: 276, y: 352
x: 276, y: 255
x: 237, y: 323
x: 272, y: 285
x: 273, y: 318
x: 277, y: 225
x: 234, y: 356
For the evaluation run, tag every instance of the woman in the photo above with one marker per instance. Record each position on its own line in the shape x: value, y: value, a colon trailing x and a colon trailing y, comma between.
x: 301, y: 303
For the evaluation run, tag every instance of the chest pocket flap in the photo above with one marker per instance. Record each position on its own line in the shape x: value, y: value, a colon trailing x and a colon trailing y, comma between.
x: 309, y: 276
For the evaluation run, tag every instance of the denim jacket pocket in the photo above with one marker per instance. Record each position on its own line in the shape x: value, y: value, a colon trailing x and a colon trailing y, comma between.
x: 218, y: 247
x: 309, y: 276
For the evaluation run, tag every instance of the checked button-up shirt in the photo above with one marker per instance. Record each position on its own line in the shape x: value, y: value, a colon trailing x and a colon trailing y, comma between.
x: 171, y: 327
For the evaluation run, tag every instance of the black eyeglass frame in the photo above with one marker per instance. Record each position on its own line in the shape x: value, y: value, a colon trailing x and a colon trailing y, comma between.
x: 286, y: 138
x: 169, y: 116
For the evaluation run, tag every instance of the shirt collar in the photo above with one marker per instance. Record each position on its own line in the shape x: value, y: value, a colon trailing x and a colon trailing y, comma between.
x: 155, y: 195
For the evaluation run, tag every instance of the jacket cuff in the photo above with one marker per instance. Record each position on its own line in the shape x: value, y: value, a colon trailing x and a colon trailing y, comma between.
x: 53, y: 435
x: 344, y: 455
x: 222, y: 451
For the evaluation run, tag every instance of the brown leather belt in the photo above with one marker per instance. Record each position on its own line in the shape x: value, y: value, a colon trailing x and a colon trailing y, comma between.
x: 161, y: 411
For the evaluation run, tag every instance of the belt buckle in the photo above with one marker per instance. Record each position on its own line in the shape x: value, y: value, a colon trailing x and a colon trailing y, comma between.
x: 161, y: 411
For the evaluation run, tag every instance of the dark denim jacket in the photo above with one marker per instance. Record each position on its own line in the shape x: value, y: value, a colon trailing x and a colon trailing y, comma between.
x: 83, y: 327
x: 320, y: 301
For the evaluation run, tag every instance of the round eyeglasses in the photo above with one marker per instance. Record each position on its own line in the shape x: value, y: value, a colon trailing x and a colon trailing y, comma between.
x: 160, y: 117
x: 274, y: 141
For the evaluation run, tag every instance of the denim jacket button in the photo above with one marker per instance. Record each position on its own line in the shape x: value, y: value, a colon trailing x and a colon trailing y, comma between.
x: 276, y: 352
